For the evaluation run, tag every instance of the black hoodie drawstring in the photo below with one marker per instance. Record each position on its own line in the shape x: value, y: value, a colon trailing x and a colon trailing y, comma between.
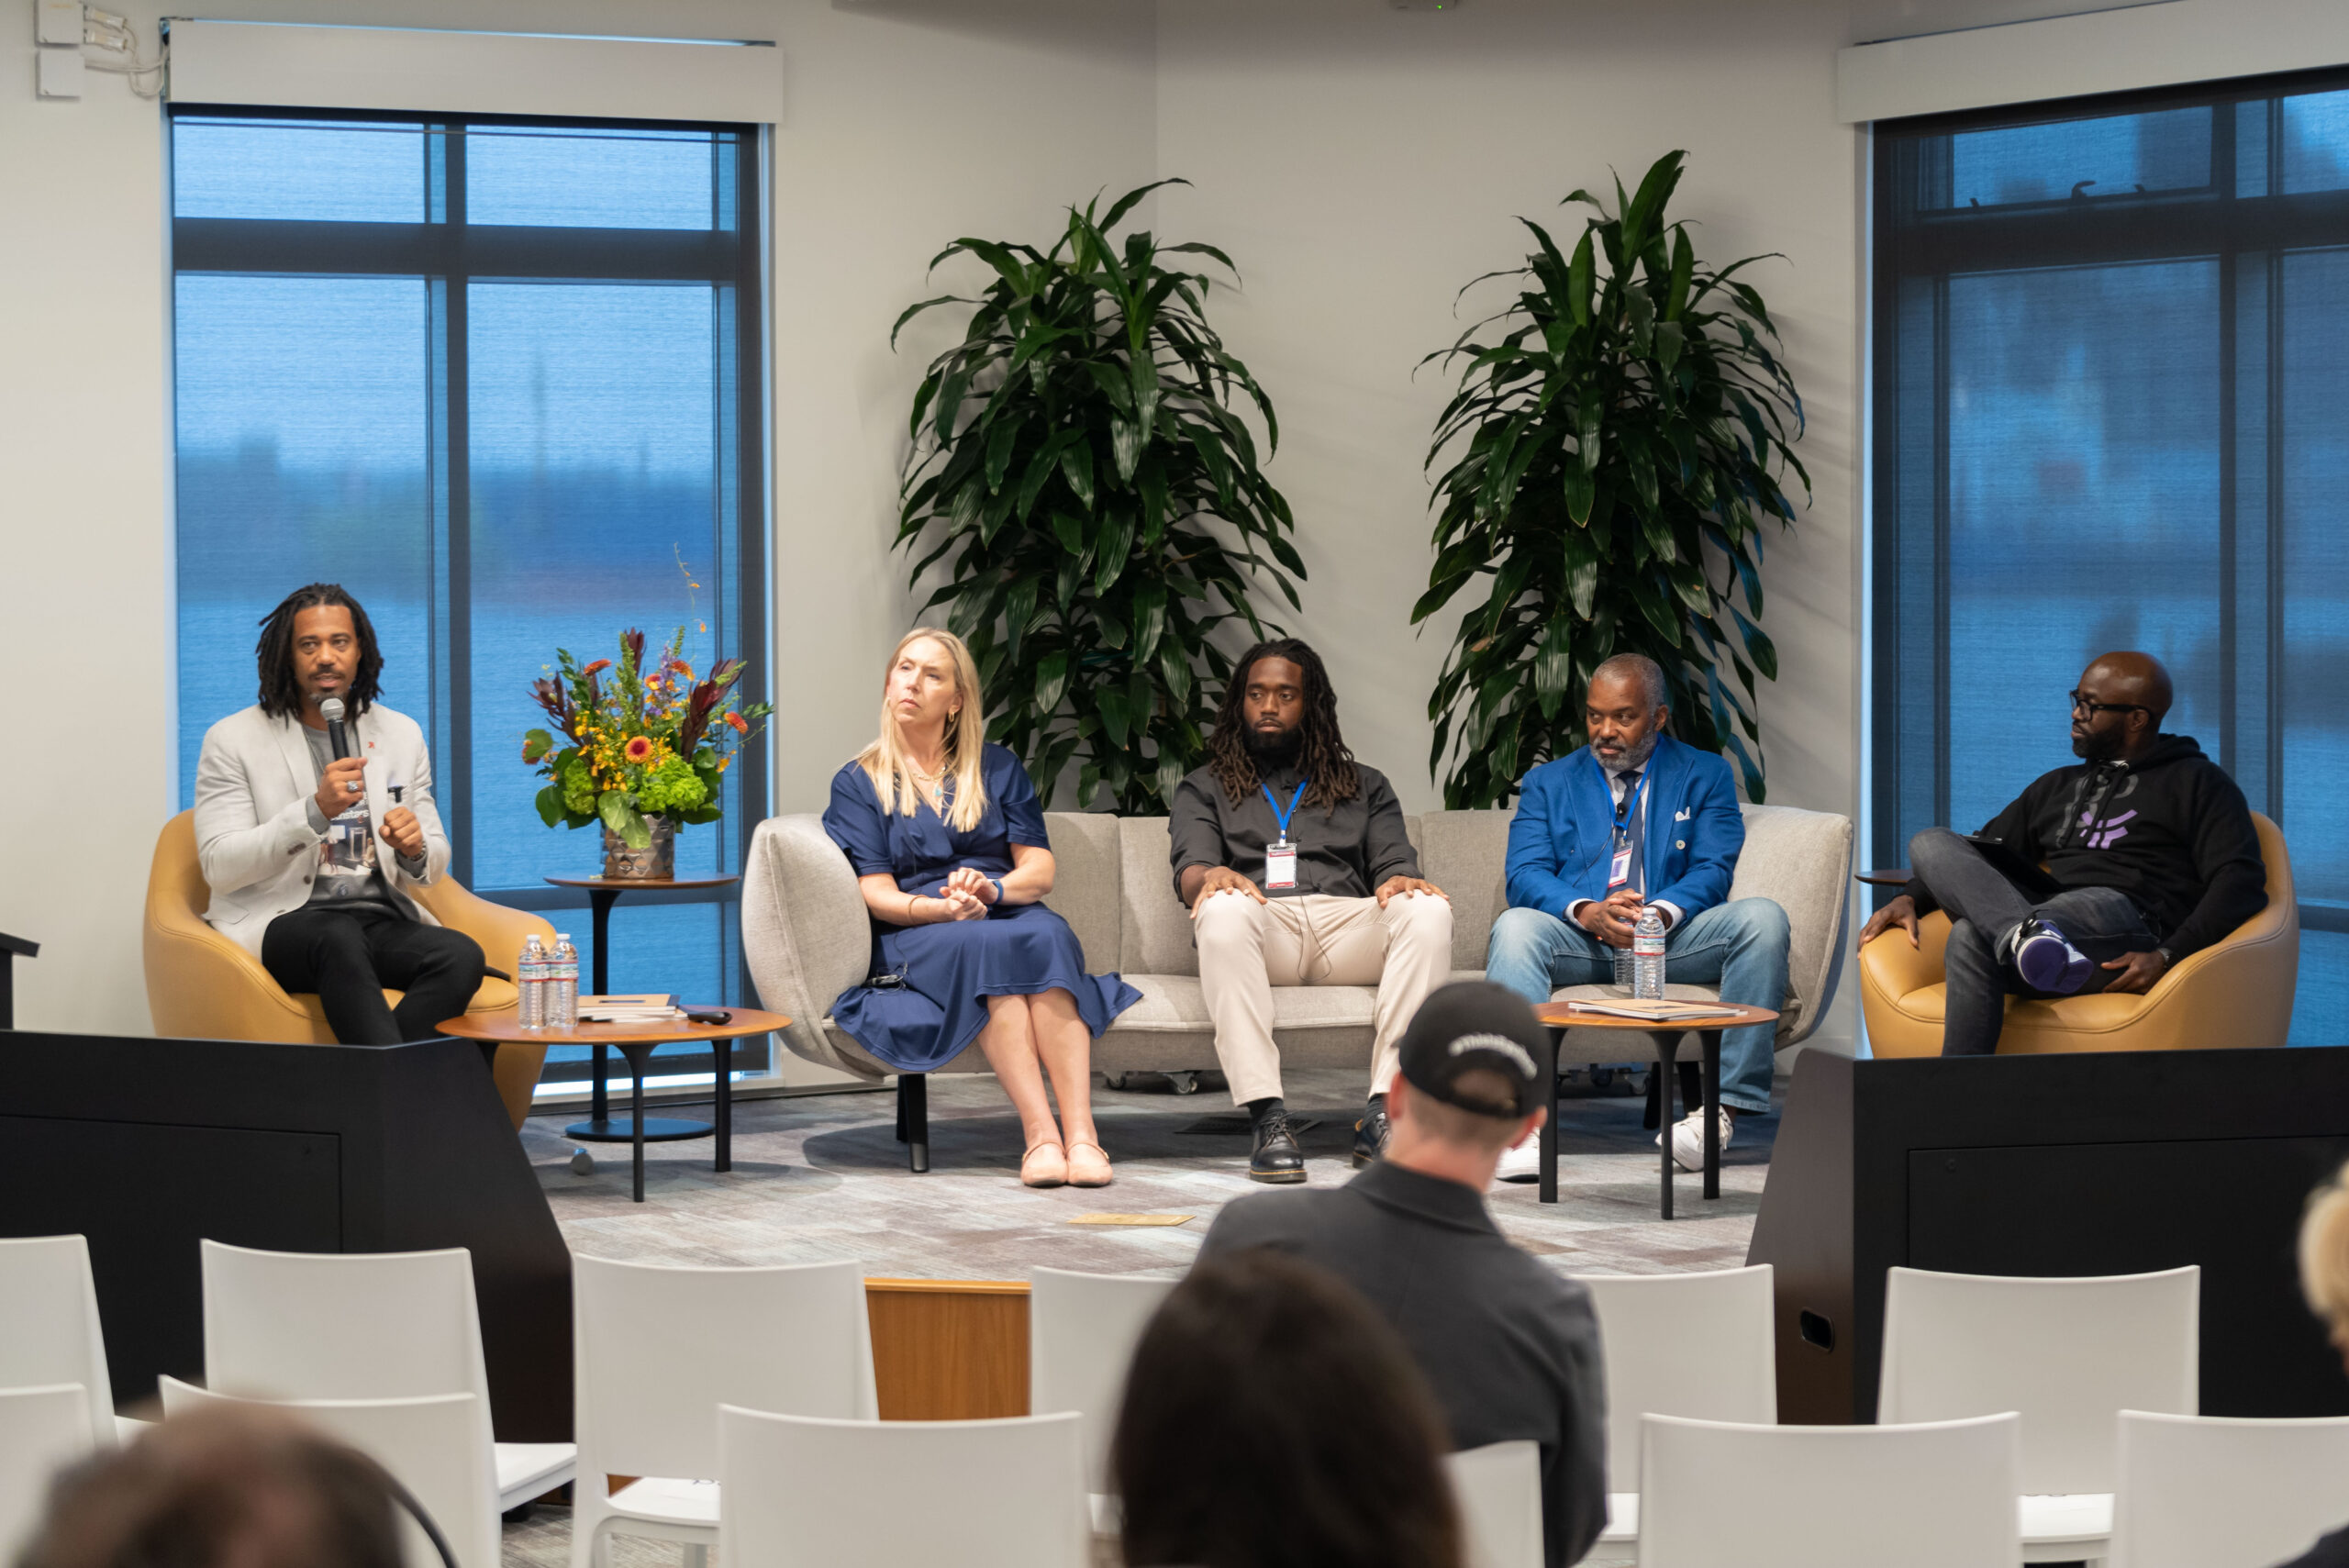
x: 2088, y: 797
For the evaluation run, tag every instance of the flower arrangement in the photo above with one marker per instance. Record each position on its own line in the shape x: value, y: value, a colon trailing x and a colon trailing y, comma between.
x: 653, y: 744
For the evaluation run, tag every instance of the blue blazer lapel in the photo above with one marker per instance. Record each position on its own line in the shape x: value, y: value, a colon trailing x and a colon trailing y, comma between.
x: 1667, y: 777
x: 1594, y: 805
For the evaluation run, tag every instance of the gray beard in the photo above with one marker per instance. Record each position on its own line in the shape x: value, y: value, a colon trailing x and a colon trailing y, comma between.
x: 1637, y: 757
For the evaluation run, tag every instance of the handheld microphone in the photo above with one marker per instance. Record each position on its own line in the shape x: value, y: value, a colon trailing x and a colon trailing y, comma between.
x: 330, y: 709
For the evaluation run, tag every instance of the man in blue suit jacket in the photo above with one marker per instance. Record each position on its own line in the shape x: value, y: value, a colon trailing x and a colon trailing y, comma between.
x: 1636, y: 818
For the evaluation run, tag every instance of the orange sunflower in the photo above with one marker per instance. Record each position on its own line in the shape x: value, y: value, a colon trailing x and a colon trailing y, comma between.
x: 639, y: 749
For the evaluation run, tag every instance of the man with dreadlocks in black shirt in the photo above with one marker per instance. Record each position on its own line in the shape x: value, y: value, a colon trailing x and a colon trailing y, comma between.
x: 2149, y: 851
x: 1292, y: 859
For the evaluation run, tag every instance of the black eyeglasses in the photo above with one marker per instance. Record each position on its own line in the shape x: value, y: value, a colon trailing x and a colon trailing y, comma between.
x: 2081, y: 703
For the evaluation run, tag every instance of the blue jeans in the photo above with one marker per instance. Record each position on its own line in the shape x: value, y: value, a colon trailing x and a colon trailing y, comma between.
x: 1740, y: 946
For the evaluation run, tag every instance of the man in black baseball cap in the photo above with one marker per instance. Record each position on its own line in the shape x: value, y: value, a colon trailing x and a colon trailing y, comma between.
x: 1509, y: 1346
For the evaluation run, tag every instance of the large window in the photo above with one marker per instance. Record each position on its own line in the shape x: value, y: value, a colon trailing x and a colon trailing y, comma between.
x: 2111, y: 385
x: 501, y: 380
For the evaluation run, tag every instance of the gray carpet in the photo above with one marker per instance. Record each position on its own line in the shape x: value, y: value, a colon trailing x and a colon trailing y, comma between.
x: 822, y: 1177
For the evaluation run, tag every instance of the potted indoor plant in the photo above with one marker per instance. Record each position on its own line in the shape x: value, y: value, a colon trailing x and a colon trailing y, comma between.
x: 1616, y: 444
x: 641, y: 755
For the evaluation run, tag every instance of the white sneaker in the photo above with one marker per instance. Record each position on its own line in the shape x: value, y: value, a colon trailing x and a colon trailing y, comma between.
x: 1688, y: 1137
x: 1522, y: 1163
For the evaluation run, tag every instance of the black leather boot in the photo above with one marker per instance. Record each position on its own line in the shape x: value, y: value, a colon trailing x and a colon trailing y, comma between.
x: 1276, y: 1156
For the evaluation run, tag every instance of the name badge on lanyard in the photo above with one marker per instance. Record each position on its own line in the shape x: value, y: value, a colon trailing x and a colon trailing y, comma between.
x: 1619, y: 869
x: 1280, y: 855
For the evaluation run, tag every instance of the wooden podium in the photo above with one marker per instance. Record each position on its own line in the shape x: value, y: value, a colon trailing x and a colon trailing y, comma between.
x: 2092, y: 1163
x: 148, y: 1146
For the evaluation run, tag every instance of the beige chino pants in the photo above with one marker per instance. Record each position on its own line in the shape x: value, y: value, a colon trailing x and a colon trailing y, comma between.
x: 1246, y: 948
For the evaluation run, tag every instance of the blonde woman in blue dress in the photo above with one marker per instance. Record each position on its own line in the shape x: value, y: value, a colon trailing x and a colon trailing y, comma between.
x: 947, y: 842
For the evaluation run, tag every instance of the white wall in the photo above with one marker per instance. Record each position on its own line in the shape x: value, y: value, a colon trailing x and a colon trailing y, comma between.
x: 908, y: 124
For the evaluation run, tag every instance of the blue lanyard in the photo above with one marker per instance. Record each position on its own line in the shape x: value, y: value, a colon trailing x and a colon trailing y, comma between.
x: 1282, y: 817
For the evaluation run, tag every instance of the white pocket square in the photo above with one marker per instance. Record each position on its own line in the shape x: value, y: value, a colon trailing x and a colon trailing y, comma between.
x: 1684, y: 815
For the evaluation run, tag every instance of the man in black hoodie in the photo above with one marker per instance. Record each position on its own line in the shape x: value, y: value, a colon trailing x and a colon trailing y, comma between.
x: 2150, y: 854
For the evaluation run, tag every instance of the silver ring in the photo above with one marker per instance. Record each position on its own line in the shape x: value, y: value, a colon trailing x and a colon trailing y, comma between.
x: 351, y: 786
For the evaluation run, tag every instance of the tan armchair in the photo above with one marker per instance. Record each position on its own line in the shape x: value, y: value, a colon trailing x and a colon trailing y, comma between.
x: 2235, y: 991
x: 201, y: 986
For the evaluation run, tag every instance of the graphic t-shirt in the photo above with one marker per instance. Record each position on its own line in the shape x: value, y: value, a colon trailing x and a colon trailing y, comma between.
x: 348, y: 875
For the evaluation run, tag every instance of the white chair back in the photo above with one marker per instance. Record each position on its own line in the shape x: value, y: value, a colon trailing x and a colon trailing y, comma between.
x: 2224, y: 1492
x: 52, y: 1324
x: 1499, y: 1489
x: 43, y: 1430
x: 1699, y: 1345
x: 2067, y: 1354
x: 657, y: 1348
x: 795, y: 1492
x: 1936, y: 1495
x: 431, y: 1445
x: 1081, y: 1334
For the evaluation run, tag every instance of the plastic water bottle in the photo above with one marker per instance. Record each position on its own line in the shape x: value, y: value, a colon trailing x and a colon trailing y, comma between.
x: 1622, y: 968
x: 531, y: 983
x: 1647, y: 956
x: 562, y: 1002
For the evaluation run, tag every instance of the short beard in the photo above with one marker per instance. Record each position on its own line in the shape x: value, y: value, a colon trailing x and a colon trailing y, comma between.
x: 1637, y: 756
x: 2093, y: 748
x: 1273, y: 752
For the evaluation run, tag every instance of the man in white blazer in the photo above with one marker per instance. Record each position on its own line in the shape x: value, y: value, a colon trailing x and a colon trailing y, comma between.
x: 309, y: 856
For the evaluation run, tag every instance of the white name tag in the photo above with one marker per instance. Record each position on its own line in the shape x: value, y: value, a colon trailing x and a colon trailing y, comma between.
x: 1619, y: 872
x: 1280, y: 864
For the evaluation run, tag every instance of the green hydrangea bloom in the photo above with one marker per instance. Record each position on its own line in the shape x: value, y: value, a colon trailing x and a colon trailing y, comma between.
x: 671, y: 787
x: 578, y: 787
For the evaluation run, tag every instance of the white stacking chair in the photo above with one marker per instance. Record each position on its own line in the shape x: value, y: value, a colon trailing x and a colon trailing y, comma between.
x: 2226, y: 1491
x: 1700, y: 1345
x: 2068, y: 1356
x: 50, y: 1333
x: 43, y: 1429
x: 1081, y: 1334
x: 432, y: 1446
x: 360, y: 1326
x: 658, y: 1348
x: 798, y: 1492
x: 1499, y: 1489
x: 1938, y: 1494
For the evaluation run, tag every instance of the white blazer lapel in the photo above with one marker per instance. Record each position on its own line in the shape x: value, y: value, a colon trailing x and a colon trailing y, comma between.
x: 300, y: 766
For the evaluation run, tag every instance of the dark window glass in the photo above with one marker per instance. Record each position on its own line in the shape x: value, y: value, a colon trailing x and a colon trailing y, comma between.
x: 2110, y: 414
x: 505, y: 427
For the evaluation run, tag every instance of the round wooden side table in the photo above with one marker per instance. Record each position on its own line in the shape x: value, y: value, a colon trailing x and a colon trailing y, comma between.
x: 1557, y: 1018
x: 603, y: 892
x: 635, y: 1042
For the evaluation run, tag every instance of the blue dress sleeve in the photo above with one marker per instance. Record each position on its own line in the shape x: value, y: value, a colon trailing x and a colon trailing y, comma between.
x: 1023, y: 815
x: 854, y: 822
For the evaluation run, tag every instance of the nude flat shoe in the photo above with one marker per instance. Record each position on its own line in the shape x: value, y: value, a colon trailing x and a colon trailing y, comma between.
x: 1039, y: 1168
x: 1089, y: 1172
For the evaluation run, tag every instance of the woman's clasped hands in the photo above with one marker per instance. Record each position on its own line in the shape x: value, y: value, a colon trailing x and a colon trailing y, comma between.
x: 967, y: 894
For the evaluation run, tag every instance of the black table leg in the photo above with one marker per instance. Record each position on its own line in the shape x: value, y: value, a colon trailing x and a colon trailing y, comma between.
x: 1667, y: 1053
x: 1712, y: 1044
x: 636, y: 1055
x: 1549, y: 1133
x: 723, y: 1050
x: 599, y: 903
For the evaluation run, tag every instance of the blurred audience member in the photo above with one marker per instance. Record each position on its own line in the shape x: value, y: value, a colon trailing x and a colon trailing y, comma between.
x: 2324, y: 1279
x: 1509, y: 1345
x: 1272, y: 1420
x: 221, y: 1488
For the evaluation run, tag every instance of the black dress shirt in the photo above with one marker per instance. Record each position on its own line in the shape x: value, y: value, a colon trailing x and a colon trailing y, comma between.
x: 2330, y: 1551
x: 1347, y: 850
x: 1509, y: 1346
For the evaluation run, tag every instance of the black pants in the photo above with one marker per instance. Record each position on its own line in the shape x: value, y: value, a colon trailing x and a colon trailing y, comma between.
x: 349, y: 956
x: 1984, y: 907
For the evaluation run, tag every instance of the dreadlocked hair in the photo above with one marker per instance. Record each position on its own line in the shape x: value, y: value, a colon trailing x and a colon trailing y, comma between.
x: 1323, y: 757
x: 281, y: 694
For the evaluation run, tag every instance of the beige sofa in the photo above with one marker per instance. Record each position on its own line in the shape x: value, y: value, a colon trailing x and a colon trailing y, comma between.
x: 805, y: 932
